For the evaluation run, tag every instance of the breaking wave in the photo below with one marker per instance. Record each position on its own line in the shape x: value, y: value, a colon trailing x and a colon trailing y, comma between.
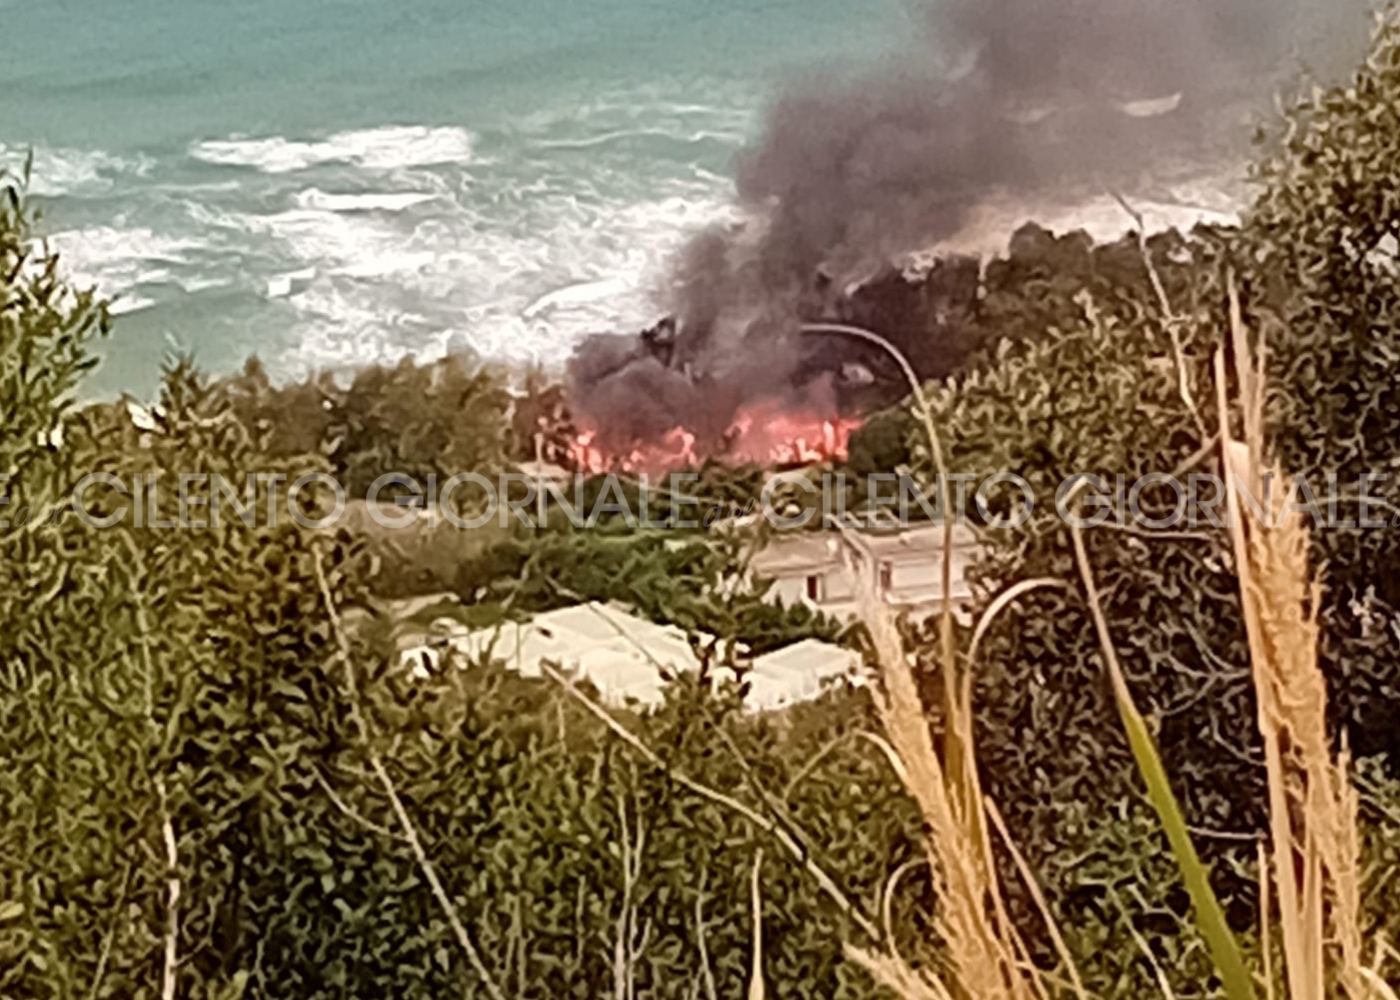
x: 386, y: 148
x: 362, y: 246
x: 71, y: 173
x: 388, y: 201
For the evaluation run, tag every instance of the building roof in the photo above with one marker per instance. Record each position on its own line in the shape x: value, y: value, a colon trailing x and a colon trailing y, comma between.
x: 912, y: 543
x: 798, y: 673
x: 629, y: 660
x: 786, y: 555
x: 810, y: 656
x: 623, y: 655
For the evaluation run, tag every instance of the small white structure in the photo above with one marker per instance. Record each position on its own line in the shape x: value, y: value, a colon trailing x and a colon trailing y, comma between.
x: 630, y: 660
x: 809, y: 568
x: 625, y: 657
x: 903, y: 567
x: 800, y: 673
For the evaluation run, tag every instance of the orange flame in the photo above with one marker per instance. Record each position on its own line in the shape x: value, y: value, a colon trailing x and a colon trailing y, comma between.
x: 762, y: 433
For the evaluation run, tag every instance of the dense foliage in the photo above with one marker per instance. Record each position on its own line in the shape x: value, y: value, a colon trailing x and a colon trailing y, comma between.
x: 1099, y: 389
x: 440, y: 418
x: 205, y: 761
x: 188, y: 796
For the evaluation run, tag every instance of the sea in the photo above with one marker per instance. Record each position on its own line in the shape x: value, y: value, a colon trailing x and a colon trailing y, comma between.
x: 332, y: 183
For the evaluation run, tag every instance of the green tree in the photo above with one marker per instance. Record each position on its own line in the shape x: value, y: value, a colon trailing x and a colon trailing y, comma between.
x: 47, y: 331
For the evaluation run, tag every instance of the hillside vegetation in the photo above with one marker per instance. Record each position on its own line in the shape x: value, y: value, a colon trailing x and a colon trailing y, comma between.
x: 1163, y: 763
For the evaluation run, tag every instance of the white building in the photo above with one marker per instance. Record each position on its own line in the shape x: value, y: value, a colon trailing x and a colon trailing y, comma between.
x: 630, y: 660
x: 809, y: 567
x: 828, y: 570
x: 800, y: 673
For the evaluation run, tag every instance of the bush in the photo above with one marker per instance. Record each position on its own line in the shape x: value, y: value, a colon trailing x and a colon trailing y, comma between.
x: 1099, y: 391
x: 175, y: 710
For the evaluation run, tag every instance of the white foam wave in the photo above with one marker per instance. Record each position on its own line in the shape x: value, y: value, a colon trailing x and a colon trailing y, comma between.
x: 387, y: 201
x: 59, y: 172
x: 114, y: 259
x: 122, y: 305
x: 1102, y: 218
x: 322, y: 239
x: 608, y: 138
x: 1153, y: 108
x: 517, y: 265
x: 331, y: 244
x: 290, y: 283
x: 391, y: 262
x: 518, y: 294
x: 386, y: 148
x: 575, y: 295
x: 194, y: 285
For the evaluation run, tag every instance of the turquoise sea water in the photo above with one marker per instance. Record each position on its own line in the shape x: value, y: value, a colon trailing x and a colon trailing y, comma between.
x: 332, y: 182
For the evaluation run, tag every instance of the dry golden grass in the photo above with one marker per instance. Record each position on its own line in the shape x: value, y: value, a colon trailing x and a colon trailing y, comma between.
x: 978, y: 944
x: 1315, y: 843
x: 980, y: 952
x: 1311, y: 872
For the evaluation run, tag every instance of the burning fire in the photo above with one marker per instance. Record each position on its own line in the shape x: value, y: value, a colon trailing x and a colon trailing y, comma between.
x: 762, y: 433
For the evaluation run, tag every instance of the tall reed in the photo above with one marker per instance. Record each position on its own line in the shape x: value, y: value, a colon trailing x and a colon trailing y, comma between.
x: 1314, y: 841
x: 1313, y: 873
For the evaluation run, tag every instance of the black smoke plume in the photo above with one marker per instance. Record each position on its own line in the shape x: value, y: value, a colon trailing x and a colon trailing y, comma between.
x: 1038, y: 101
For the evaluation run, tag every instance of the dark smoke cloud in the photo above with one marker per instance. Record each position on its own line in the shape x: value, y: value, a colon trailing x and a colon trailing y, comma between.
x: 1134, y: 48
x: 1025, y: 97
x: 1039, y: 100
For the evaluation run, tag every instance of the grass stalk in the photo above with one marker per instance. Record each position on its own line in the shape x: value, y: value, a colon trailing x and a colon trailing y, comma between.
x: 1314, y: 838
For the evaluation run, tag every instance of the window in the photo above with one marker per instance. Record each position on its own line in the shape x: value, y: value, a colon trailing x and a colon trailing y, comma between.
x: 886, y: 577
x: 814, y: 588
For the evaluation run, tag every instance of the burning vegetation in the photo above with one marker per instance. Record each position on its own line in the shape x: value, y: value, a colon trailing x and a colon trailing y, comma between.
x: 764, y: 433
x: 1010, y: 99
